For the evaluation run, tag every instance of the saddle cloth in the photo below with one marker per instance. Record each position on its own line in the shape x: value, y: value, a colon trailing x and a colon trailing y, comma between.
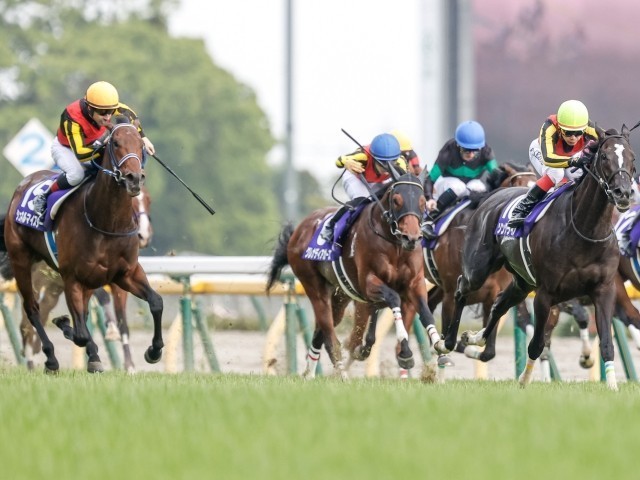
x: 322, y: 251
x: 25, y: 214
x: 539, y: 210
x: 443, y: 223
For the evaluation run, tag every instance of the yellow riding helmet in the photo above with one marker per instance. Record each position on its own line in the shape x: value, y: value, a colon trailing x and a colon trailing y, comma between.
x: 102, y: 95
x: 403, y: 140
x: 573, y: 115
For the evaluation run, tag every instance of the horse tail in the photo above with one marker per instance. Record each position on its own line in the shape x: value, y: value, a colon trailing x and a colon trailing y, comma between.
x: 6, y: 271
x: 279, y: 260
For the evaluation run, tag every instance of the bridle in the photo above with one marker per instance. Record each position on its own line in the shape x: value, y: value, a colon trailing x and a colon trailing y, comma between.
x: 115, y: 171
x: 393, y: 217
x: 598, y: 175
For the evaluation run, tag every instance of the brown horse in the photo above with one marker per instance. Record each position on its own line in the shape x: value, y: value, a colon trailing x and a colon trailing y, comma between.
x: 570, y: 253
x: 380, y: 265
x: 48, y: 286
x: 96, y: 242
x: 442, y: 270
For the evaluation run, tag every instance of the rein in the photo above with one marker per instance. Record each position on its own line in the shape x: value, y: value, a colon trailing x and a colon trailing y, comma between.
x: 604, y: 185
x: 116, y: 173
x: 390, y: 215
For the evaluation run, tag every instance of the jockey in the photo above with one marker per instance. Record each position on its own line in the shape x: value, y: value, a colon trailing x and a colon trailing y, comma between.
x: 409, y: 154
x: 372, y: 162
x: 457, y: 171
x: 567, y: 139
x: 82, y: 134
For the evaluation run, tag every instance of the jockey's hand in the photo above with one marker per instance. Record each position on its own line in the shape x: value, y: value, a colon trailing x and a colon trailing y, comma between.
x: 589, y: 151
x: 431, y: 204
x: 352, y: 165
x: 102, y: 141
x: 151, y: 150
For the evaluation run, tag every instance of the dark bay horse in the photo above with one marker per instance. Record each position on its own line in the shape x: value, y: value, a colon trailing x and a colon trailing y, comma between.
x: 49, y: 286
x: 443, y: 264
x: 570, y: 253
x: 380, y: 260
x: 96, y: 237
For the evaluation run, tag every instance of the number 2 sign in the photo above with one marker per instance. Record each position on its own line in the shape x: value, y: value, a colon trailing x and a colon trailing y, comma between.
x: 30, y: 150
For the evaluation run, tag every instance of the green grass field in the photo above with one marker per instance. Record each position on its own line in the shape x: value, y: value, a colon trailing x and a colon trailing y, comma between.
x: 187, y: 426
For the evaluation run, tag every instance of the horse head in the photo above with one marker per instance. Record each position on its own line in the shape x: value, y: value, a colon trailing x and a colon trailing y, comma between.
x: 405, y: 210
x: 613, y: 166
x: 123, y: 156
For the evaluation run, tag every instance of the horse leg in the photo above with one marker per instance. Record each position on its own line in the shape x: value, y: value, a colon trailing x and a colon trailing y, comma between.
x: 552, y: 321
x: 626, y: 311
x: 365, y: 321
x: 137, y: 284
x: 515, y: 293
x: 22, y: 272
x: 489, y: 351
x: 111, y: 324
x: 78, y: 302
x: 541, y: 309
x: 581, y: 316
x: 604, y: 300
x: 119, y: 306
x: 447, y: 313
x: 313, y: 354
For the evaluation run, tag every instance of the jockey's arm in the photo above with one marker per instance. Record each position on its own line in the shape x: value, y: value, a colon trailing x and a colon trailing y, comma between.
x: 133, y: 118
x: 354, y: 162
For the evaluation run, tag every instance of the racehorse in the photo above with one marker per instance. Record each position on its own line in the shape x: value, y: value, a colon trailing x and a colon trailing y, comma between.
x: 96, y: 237
x: 443, y: 264
x: 380, y: 265
x: 48, y: 286
x: 570, y: 253
x: 445, y: 258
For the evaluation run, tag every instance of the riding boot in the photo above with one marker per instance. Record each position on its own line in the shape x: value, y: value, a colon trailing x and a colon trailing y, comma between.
x: 40, y: 201
x: 520, y: 212
x: 445, y: 200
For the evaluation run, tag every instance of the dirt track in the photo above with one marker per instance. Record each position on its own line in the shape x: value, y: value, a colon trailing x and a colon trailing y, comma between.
x: 243, y: 352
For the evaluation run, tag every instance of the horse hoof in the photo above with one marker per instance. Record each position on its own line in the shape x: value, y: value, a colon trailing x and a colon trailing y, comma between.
x: 586, y: 362
x: 465, y: 337
x: 406, y: 362
x: 152, y: 356
x: 51, y: 370
x: 30, y: 365
x: 62, y: 322
x: 460, y: 347
x: 445, y: 361
x: 441, y: 347
x: 95, y: 367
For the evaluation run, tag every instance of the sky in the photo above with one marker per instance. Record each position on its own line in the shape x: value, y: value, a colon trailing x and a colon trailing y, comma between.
x: 356, y: 66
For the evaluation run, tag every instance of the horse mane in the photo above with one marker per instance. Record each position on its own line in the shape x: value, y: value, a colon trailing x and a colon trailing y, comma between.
x: 500, y: 174
x: 121, y: 119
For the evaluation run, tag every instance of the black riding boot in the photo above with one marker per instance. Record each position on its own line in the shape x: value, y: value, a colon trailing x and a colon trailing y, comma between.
x: 520, y: 212
x: 327, y: 230
x: 40, y: 201
x: 445, y: 200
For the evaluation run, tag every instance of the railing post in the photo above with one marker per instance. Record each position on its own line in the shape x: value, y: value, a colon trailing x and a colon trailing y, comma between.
x: 520, y: 339
x: 423, y: 343
x: 187, y: 327
x: 98, y: 313
x: 201, y: 325
x: 14, y: 337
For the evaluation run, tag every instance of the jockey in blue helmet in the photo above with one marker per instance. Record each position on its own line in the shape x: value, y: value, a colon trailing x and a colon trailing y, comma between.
x: 457, y: 171
x: 370, y: 164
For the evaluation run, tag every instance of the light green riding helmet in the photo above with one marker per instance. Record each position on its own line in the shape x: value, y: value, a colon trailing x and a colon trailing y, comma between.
x: 573, y: 115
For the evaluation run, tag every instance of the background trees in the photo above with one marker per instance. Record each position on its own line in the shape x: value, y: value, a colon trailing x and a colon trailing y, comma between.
x: 206, y: 125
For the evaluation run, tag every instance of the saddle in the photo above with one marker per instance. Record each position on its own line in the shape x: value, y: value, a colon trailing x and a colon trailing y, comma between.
x: 442, y: 223
x: 25, y: 214
x: 503, y: 230
x: 322, y: 251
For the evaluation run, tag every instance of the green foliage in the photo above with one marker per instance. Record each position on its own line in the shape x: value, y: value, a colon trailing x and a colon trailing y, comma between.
x: 204, y: 124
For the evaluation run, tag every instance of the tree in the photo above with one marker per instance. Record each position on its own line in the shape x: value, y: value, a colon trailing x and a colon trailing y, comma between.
x: 207, y: 126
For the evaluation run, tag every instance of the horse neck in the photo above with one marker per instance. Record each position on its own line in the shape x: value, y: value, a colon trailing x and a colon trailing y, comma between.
x: 591, y: 208
x: 108, y: 205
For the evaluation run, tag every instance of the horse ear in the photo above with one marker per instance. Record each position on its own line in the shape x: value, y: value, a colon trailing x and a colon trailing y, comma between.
x: 625, y: 131
x: 601, y: 133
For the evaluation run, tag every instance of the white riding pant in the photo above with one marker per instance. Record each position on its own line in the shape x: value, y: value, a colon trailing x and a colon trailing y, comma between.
x: 67, y: 161
x: 555, y: 174
x: 460, y: 188
x: 354, y: 187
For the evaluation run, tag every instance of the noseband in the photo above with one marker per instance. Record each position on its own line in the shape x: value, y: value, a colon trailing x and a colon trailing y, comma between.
x: 597, y: 168
x: 393, y: 217
x: 116, y: 173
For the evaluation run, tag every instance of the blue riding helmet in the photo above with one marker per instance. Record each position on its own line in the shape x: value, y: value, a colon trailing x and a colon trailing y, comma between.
x: 470, y: 135
x: 385, y: 148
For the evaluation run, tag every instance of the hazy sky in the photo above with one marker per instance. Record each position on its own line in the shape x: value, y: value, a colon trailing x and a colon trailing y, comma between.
x: 356, y: 67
